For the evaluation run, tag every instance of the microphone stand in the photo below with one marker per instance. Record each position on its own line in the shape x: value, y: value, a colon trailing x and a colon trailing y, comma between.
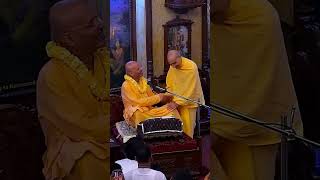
x: 286, y: 130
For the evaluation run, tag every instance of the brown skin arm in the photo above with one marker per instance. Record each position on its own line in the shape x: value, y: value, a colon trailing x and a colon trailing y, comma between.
x: 218, y: 10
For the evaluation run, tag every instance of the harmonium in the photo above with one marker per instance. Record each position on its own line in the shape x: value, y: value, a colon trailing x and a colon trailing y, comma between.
x: 171, y: 148
x: 160, y: 128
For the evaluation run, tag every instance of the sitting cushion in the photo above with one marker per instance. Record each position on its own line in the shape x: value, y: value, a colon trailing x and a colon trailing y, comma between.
x: 162, y: 127
x: 125, y: 132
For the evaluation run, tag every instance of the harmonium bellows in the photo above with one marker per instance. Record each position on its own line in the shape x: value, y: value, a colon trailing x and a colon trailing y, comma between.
x: 162, y: 127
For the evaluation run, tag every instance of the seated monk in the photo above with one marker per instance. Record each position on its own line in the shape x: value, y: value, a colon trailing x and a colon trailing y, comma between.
x: 138, y: 98
x: 73, y: 95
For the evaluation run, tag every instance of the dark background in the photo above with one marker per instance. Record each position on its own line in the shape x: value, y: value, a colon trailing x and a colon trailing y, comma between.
x: 24, y: 32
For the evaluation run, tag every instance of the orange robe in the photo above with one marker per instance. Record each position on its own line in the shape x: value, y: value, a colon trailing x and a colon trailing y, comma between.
x: 138, y: 106
x: 74, y: 123
x: 251, y: 75
x: 185, y: 82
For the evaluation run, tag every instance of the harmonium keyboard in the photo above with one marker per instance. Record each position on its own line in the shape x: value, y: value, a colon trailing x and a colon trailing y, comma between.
x: 161, y: 127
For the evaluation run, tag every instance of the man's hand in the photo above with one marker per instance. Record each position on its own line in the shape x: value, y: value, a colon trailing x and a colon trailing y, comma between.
x: 164, y: 98
x: 172, y: 105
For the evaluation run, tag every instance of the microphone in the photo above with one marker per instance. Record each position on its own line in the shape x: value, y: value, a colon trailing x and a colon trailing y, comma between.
x: 162, y: 90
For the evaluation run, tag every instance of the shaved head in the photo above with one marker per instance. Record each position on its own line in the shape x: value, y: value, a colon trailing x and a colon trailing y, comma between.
x: 76, y: 26
x: 63, y: 16
x: 174, y: 58
x: 130, y: 65
x: 134, y: 70
x: 174, y: 53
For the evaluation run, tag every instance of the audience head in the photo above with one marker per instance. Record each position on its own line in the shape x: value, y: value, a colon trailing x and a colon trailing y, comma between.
x: 143, y: 154
x: 116, y: 172
x: 131, y: 146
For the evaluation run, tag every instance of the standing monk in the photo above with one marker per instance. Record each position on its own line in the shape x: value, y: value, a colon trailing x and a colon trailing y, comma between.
x: 251, y: 75
x: 183, y: 79
x: 72, y: 95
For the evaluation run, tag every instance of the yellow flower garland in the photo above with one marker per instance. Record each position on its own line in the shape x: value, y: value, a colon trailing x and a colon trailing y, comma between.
x: 142, y: 86
x: 60, y: 53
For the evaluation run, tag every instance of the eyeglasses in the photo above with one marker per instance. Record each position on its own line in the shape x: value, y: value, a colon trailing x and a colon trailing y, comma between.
x: 94, y: 22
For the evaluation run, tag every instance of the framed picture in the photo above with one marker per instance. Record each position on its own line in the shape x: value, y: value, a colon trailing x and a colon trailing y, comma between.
x: 122, y: 38
x: 183, y: 6
x: 24, y: 33
x: 177, y: 35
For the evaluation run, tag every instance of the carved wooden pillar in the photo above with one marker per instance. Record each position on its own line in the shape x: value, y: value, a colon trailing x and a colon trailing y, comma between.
x: 205, y: 53
x: 148, y: 5
x: 133, y: 31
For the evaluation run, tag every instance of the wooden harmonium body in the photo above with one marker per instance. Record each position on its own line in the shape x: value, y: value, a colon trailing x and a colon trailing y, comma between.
x: 162, y: 127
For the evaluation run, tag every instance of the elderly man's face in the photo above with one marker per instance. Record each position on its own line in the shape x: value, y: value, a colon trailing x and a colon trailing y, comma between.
x: 136, y: 71
x: 174, y: 60
x: 87, y: 30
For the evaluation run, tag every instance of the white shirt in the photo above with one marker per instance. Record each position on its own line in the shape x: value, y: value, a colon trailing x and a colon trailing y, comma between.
x: 127, y: 165
x: 145, y: 174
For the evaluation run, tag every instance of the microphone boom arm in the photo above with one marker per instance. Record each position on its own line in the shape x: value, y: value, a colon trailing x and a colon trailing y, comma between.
x: 240, y: 116
x: 185, y: 98
x: 285, y: 129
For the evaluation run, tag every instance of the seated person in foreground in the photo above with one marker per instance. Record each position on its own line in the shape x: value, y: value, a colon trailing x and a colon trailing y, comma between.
x: 116, y: 172
x: 129, y: 163
x: 144, y: 171
x: 138, y: 98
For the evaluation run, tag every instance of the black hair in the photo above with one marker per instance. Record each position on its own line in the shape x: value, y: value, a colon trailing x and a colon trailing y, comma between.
x: 131, y: 146
x: 143, y: 154
x: 115, y: 166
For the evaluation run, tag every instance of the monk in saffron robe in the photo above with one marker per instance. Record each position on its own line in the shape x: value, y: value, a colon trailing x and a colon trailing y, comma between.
x: 138, y: 98
x: 251, y: 75
x: 72, y: 95
x: 183, y: 79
